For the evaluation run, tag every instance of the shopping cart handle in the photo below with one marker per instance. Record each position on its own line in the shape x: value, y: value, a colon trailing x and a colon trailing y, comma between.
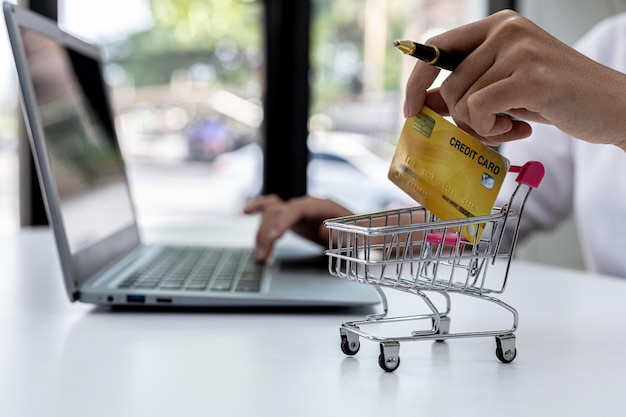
x: 449, y: 239
x: 530, y: 174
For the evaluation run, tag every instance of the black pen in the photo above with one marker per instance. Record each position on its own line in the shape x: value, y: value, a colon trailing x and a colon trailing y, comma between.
x: 430, y: 54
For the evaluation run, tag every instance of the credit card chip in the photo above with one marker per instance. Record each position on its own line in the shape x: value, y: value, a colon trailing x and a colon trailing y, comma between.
x: 424, y: 124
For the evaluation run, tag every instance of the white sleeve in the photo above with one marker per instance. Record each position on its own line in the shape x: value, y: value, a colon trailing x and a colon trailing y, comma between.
x: 552, y: 201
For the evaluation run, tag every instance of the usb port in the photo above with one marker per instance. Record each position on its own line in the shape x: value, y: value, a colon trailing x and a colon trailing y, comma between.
x: 164, y: 300
x: 136, y: 298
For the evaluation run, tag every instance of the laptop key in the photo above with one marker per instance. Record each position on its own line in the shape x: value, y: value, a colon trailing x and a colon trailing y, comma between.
x: 196, y: 285
x: 222, y: 285
x: 248, y: 286
x: 147, y: 284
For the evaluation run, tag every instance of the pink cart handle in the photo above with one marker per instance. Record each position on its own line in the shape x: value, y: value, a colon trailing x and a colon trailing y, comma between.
x: 450, y: 239
x: 530, y: 174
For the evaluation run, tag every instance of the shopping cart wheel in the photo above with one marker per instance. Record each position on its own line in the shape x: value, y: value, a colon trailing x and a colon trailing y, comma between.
x: 350, y: 347
x: 389, y: 358
x: 350, y: 344
x: 505, y: 348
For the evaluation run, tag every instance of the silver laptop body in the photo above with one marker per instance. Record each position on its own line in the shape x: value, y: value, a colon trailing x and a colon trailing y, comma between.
x: 89, y: 205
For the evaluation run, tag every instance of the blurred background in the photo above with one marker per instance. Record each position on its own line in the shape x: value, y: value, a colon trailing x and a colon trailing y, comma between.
x: 188, y: 79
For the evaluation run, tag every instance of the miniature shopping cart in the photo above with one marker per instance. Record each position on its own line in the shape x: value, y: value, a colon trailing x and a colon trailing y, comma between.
x: 412, y: 251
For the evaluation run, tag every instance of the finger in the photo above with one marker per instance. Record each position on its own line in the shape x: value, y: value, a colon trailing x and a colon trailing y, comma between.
x: 267, y: 234
x: 467, y: 78
x: 436, y: 103
x: 260, y: 203
x: 487, y: 105
x: 420, y: 80
x: 423, y: 74
x: 275, y: 222
x: 518, y: 130
x: 466, y: 39
x: 490, y: 125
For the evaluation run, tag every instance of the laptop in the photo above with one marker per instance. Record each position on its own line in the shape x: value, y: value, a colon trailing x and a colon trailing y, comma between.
x: 90, y: 208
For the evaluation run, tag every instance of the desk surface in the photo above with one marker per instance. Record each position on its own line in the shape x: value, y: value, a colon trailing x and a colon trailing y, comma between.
x: 62, y: 359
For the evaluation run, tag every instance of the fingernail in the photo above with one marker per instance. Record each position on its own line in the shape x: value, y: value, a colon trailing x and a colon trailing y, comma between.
x: 259, y: 253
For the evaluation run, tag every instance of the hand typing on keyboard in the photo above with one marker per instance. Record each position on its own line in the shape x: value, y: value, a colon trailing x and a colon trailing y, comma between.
x: 304, y: 215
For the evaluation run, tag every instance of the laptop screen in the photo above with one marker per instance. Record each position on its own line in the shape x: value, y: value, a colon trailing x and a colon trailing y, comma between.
x: 84, y: 156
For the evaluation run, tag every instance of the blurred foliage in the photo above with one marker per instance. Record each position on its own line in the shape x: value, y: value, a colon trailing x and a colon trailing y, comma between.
x: 191, y: 32
x: 338, y: 29
x: 187, y: 25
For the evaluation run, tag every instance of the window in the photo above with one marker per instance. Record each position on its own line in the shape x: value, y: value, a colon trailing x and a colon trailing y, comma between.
x: 186, y: 80
x: 358, y: 89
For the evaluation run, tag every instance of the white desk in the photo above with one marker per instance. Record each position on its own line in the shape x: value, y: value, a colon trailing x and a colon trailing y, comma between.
x: 62, y: 359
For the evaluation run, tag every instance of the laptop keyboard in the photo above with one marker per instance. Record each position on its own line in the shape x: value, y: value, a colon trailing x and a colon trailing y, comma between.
x: 198, y: 269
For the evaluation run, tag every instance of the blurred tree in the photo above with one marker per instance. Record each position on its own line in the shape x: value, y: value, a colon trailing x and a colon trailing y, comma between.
x: 224, y: 36
x: 338, y: 43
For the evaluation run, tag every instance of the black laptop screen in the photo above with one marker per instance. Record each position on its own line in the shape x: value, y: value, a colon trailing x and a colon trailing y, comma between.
x: 79, y: 134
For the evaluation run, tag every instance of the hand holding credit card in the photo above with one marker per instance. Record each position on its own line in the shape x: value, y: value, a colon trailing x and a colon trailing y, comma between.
x: 448, y: 171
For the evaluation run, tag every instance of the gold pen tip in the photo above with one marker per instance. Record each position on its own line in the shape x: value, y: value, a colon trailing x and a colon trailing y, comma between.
x: 406, y: 47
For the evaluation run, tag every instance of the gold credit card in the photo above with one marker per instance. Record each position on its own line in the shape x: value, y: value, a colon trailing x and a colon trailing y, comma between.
x: 446, y: 170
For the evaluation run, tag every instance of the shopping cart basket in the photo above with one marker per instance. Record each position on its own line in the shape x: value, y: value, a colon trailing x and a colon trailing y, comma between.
x: 412, y: 251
